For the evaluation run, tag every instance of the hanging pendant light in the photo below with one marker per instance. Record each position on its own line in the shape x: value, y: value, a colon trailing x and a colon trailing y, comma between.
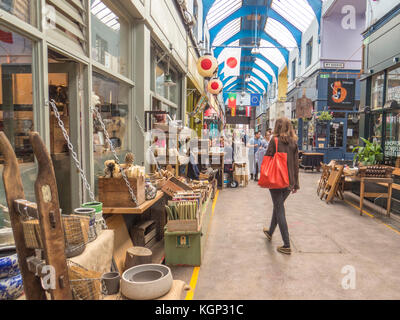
x: 215, y: 86
x: 207, y: 65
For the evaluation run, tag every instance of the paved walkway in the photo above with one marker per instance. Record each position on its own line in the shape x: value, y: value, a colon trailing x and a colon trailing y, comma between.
x: 239, y: 262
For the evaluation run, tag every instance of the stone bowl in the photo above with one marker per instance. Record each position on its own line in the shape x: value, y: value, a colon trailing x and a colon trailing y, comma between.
x: 146, y: 282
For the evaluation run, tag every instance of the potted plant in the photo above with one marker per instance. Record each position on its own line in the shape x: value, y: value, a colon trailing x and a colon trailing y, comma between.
x: 370, y: 154
x: 324, y: 116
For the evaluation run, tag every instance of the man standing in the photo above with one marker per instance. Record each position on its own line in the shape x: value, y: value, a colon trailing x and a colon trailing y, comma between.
x: 254, y: 144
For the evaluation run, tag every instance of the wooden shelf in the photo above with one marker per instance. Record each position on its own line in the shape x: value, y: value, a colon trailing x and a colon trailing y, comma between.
x: 138, y: 210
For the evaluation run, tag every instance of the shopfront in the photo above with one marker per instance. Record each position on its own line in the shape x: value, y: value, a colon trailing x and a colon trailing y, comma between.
x: 73, y: 58
x: 381, y: 88
x: 332, y: 126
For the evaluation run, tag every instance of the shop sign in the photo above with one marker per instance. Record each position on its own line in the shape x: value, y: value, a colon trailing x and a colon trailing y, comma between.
x: 341, y: 93
x: 392, y: 148
x: 334, y: 65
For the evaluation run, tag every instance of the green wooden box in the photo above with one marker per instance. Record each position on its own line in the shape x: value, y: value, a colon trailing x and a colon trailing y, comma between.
x: 186, y: 248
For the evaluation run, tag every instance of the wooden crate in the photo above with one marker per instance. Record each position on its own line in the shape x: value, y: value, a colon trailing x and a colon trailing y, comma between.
x: 183, y: 225
x: 144, y: 234
x: 113, y: 192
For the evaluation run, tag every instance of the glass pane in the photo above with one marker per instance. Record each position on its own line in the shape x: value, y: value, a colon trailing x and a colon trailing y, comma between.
x: 161, y: 89
x: 377, y: 91
x: 114, y: 109
x: 392, y: 140
x: 22, y: 9
x: 336, y: 135
x: 227, y: 32
x: 174, y: 91
x: 393, y: 86
x: 321, y: 134
x: 109, y: 38
x: 377, y: 127
x: 353, y: 132
x: 220, y: 10
x: 16, y: 105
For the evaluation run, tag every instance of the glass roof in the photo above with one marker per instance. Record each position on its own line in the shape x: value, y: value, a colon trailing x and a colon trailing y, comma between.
x: 298, y: 12
x: 280, y: 33
x: 253, y: 87
x: 268, y: 50
x: 265, y: 66
x: 230, y: 81
x: 227, y: 32
x: 257, y: 82
x: 105, y: 15
x: 220, y: 10
x: 261, y: 75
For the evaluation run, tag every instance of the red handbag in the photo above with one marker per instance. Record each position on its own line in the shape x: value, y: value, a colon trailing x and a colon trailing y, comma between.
x: 274, y: 171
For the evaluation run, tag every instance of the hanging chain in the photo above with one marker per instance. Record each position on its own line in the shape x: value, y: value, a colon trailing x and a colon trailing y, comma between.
x: 71, y: 148
x: 103, y: 126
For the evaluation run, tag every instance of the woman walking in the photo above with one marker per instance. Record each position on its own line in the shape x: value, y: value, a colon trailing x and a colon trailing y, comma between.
x: 287, y: 143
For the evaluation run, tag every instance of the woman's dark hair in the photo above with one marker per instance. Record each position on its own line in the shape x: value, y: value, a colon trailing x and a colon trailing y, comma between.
x: 284, y: 130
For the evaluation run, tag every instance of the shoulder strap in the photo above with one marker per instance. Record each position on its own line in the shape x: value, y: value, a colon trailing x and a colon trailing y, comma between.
x: 276, y: 144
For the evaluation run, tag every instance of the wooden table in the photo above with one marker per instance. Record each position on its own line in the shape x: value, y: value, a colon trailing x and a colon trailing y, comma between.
x: 364, y: 194
x: 312, y: 160
x: 135, y: 210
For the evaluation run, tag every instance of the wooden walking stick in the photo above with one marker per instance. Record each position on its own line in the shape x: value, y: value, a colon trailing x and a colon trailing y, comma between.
x: 14, y: 191
x: 50, y: 219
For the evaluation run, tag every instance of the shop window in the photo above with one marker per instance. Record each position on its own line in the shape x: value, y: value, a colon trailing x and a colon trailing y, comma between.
x: 16, y: 105
x: 114, y: 109
x: 393, y: 85
x: 353, y: 132
x: 392, y: 137
x: 309, y: 49
x: 321, y: 134
x: 294, y: 70
x: 336, y: 135
x: 109, y: 38
x: 377, y: 91
x: 22, y: 9
x: 161, y: 89
x: 377, y: 127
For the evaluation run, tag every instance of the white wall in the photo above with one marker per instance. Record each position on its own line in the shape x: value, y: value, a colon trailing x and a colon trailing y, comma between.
x: 377, y: 9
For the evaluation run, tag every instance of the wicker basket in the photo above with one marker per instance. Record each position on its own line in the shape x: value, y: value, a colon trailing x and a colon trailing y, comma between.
x: 85, y: 284
x: 75, y: 234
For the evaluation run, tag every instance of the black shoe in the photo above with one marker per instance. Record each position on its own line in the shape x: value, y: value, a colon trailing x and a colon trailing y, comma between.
x: 252, y: 177
x: 284, y: 250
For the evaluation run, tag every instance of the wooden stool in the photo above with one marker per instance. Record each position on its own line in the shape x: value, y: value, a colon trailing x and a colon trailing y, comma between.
x: 136, y: 256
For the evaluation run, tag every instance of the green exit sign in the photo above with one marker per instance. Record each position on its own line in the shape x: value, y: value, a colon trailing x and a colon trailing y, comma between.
x: 324, y: 76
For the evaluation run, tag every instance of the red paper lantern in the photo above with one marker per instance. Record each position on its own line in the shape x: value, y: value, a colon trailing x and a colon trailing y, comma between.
x: 207, y: 65
x: 215, y: 86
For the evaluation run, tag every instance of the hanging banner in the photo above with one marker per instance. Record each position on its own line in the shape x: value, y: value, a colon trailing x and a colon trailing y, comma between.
x: 232, y: 62
x: 255, y: 100
x: 341, y: 93
x: 248, y: 111
x: 232, y: 100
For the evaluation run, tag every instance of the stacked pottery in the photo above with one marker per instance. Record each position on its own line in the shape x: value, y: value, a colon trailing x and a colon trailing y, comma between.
x: 91, y: 213
x: 10, y: 277
x: 99, y: 220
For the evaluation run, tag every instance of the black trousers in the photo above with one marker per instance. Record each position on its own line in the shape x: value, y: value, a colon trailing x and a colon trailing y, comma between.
x: 279, y: 197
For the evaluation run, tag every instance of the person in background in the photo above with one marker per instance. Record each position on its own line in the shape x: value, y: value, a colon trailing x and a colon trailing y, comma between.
x: 254, y: 144
x: 287, y: 143
x: 268, y: 135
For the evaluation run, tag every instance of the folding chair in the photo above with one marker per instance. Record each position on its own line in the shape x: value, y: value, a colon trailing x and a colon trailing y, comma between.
x: 332, y: 185
x: 326, y: 170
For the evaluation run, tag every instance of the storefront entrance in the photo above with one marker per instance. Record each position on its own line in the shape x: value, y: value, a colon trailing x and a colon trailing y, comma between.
x: 64, y: 90
x: 337, y: 138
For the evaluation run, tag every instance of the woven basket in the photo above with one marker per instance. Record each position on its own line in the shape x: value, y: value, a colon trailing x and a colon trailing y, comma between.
x: 85, y: 284
x: 376, y: 171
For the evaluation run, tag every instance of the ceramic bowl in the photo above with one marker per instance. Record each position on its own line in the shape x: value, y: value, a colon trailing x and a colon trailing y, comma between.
x: 8, y: 264
x: 11, y: 288
x: 146, y: 282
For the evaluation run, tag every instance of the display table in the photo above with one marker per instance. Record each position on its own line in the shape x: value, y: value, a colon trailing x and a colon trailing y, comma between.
x: 311, y: 160
x: 135, y: 210
x: 387, y: 182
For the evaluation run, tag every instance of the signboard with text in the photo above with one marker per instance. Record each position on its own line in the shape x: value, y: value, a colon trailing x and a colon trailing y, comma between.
x: 341, y: 93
